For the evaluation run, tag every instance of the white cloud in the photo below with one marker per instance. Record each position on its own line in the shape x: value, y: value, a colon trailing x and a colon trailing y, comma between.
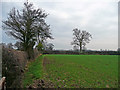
x: 61, y: 0
x: 97, y: 17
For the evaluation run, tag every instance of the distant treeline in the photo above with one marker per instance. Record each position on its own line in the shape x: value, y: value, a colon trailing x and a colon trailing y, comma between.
x: 83, y: 53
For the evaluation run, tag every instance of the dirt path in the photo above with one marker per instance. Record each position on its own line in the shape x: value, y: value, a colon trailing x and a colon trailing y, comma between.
x: 42, y: 83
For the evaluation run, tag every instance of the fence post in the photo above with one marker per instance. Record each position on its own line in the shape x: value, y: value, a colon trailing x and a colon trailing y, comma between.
x: 2, y: 83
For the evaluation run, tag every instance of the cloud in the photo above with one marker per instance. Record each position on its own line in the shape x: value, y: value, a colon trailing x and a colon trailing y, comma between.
x: 97, y: 17
x: 61, y: 0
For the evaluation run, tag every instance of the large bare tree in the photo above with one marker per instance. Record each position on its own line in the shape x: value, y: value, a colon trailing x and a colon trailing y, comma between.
x: 80, y: 38
x: 28, y: 26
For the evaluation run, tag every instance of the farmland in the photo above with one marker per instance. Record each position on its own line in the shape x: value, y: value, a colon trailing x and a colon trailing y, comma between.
x: 73, y: 71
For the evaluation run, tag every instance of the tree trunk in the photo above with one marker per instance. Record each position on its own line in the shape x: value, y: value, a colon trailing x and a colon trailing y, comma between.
x: 80, y: 47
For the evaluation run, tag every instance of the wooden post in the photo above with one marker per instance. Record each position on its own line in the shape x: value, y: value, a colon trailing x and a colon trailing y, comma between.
x: 2, y: 84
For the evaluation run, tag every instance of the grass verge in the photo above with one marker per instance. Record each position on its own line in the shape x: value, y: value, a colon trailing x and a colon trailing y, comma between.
x: 33, y: 72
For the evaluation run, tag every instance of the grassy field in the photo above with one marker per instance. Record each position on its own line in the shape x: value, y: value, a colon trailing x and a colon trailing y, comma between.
x: 74, y: 71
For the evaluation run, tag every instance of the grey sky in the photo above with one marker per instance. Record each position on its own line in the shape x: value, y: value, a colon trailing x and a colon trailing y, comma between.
x: 99, y: 17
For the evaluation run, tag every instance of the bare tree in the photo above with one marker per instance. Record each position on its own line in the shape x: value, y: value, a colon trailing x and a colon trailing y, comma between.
x: 28, y: 26
x: 50, y: 46
x: 80, y: 38
x: 76, y: 48
x: 18, y: 45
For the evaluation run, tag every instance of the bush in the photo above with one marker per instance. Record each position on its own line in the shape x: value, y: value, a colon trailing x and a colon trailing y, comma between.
x: 13, y: 63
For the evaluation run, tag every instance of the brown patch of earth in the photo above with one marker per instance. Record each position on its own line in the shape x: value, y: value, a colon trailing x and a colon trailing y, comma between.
x: 47, y: 61
x: 41, y: 84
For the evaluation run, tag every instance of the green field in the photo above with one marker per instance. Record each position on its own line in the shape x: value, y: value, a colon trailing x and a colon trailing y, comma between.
x: 74, y: 71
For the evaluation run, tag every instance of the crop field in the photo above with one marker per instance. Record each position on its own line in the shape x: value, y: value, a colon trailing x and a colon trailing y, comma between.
x: 73, y: 71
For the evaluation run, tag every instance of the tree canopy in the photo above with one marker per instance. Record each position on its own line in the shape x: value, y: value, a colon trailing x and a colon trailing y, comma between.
x: 80, y: 38
x: 28, y: 26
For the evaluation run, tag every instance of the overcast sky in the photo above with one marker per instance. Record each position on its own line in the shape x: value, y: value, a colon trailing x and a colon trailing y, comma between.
x: 99, y: 17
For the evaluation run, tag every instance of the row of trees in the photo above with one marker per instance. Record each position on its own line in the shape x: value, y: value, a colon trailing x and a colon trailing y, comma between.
x: 87, y: 52
x: 18, y: 46
x: 29, y: 27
